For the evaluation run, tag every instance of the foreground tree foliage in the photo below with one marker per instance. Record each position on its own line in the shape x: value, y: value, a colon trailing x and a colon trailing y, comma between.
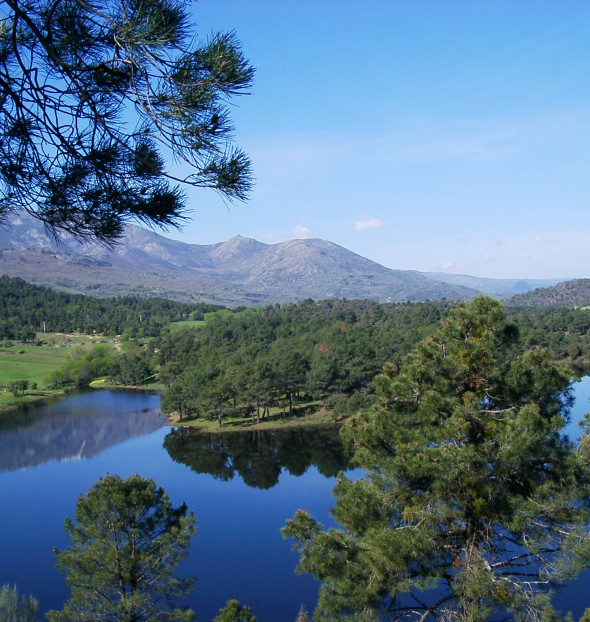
x: 94, y: 97
x: 126, y: 541
x: 15, y: 609
x: 473, y: 503
x: 234, y: 612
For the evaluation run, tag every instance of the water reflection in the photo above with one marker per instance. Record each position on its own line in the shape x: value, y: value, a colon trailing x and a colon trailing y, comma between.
x: 258, y: 457
x: 74, y: 429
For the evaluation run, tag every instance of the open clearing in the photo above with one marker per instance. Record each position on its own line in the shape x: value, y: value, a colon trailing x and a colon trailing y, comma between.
x: 35, y: 362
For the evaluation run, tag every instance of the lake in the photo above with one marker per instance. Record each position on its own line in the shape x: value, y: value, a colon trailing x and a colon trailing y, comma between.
x: 241, y: 487
x: 50, y: 454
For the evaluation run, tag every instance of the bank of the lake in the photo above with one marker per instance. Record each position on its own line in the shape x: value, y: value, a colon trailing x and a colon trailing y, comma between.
x: 33, y: 363
x: 9, y: 403
x: 302, y: 415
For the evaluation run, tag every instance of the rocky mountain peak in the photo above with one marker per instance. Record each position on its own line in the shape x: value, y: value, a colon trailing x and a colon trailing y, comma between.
x: 236, y: 248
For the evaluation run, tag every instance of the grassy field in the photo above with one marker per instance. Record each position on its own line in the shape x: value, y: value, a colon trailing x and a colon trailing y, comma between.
x: 209, y: 317
x: 34, y: 363
x: 31, y: 363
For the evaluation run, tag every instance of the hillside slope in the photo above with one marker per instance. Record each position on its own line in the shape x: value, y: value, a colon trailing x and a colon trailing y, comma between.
x: 575, y: 293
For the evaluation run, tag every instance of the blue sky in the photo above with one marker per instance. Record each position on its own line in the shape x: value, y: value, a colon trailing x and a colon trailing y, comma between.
x: 436, y: 136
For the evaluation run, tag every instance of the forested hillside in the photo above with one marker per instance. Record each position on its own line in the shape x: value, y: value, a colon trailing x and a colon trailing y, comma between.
x: 271, y: 356
x: 327, y: 351
x: 574, y: 293
x: 244, y: 362
x: 26, y: 308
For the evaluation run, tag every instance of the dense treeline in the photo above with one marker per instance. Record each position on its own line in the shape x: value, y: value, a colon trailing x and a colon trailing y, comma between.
x: 249, y: 360
x: 327, y: 351
x: 27, y: 308
x: 565, y: 332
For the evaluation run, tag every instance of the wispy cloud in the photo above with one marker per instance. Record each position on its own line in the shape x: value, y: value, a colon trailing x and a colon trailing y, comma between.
x: 540, y: 240
x: 370, y: 223
x: 476, y: 147
x: 301, y: 231
x: 293, y: 156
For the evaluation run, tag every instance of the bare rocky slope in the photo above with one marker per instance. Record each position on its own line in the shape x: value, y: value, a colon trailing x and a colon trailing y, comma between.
x: 240, y: 271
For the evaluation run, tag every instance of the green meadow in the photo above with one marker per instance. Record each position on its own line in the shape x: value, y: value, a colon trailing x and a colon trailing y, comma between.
x: 34, y: 363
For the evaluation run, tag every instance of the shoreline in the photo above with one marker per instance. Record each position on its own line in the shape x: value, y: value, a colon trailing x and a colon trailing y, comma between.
x: 276, y: 421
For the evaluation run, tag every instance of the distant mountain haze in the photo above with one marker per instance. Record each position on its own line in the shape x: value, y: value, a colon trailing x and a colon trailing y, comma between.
x: 499, y: 288
x: 241, y: 271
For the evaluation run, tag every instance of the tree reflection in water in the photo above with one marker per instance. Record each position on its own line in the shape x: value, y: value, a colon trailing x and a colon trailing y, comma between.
x: 259, y: 456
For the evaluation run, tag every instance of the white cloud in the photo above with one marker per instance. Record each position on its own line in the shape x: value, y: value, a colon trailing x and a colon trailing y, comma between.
x: 496, y: 241
x: 299, y: 231
x: 488, y: 258
x: 370, y: 223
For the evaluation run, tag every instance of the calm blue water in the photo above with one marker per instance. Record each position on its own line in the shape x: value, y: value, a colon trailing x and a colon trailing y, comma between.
x: 238, y: 551
x: 58, y: 451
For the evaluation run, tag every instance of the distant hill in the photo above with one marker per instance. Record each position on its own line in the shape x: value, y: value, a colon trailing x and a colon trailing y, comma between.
x: 574, y: 293
x: 240, y: 271
x: 499, y: 288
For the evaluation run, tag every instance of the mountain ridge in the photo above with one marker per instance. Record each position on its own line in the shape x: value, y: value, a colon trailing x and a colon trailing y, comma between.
x: 238, y: 271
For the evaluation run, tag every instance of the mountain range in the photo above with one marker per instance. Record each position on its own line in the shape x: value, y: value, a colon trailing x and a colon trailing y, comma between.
x: 240, y: 271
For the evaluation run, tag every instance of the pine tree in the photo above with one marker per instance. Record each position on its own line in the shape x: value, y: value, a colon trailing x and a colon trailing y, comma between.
x: 234, y: 612
x: 473, y: 501
x: 126, y: 541
x: 96, y: 98
x: 15, y: 609
x: 303, y: 616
